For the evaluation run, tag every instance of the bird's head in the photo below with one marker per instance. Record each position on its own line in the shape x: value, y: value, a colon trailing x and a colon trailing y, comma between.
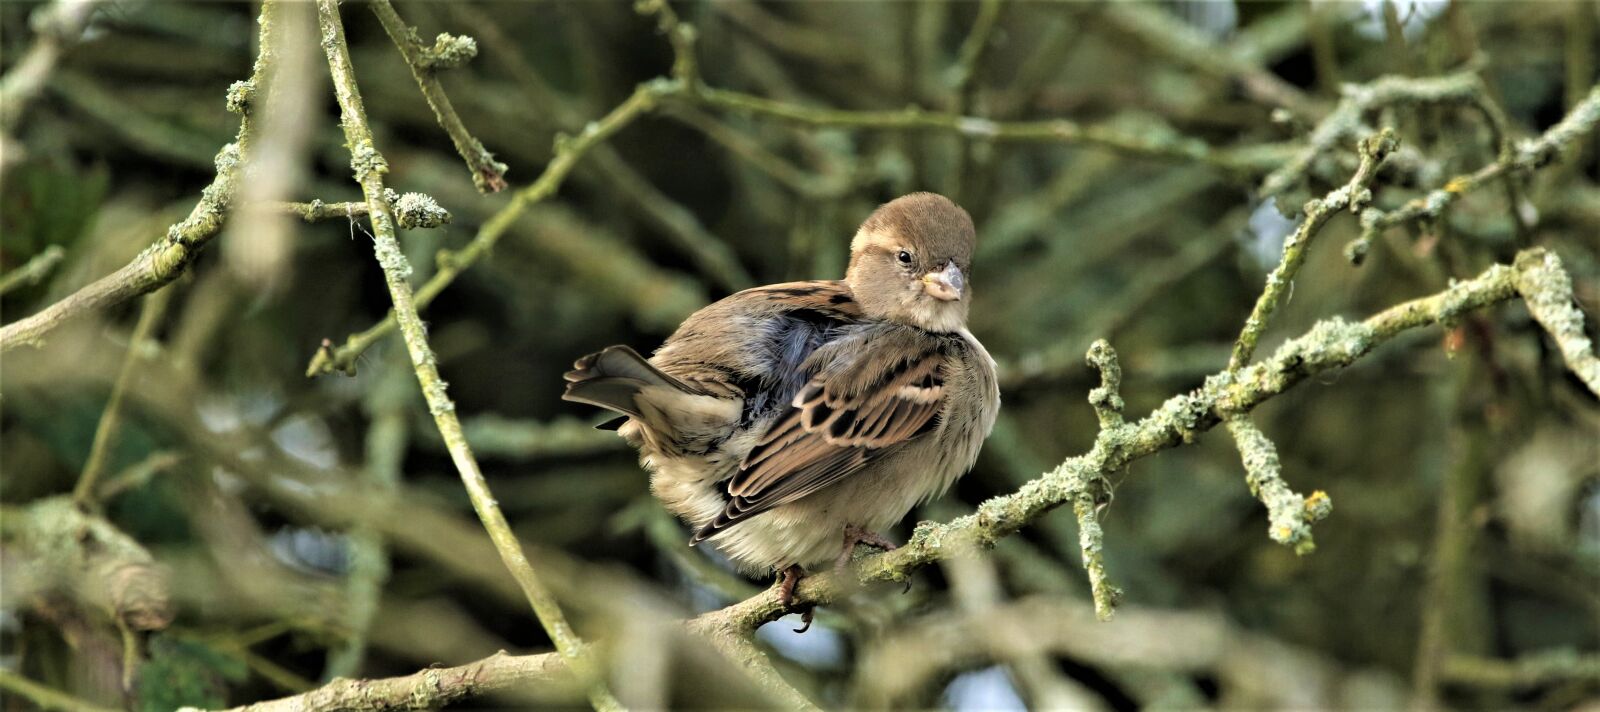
x: 910, y: 261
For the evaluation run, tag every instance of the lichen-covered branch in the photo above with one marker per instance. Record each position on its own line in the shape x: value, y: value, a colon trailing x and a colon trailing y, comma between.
x: 1106, y: 400
x: 1289, y: 514
x: 569, y: 150
x: 1355, y: 195
x: 542, y: 676
x: 1547, y: 290
x: 447, y: 52
x: 163, y: 261
x: 1347, y: 119
x: 1526, y: 157
x: 411, y: 210
x: 369, y: 167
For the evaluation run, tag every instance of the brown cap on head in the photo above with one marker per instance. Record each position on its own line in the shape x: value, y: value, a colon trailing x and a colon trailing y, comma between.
x: 929, y: 221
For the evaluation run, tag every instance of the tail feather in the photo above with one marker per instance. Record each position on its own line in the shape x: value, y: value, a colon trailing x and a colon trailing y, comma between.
x: 613, y: 377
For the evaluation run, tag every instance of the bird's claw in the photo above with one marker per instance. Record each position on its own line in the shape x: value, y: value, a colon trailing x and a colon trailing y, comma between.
x: 787, y: 581
x: 854, y: 535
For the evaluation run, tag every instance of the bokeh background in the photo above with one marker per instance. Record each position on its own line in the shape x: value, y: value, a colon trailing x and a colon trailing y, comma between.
x: 1460, y: 566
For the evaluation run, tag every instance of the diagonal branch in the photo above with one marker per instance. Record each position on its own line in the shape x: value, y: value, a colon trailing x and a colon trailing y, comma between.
x: 163, y: 261
x: 1354, y: 195
x: 448, y: 52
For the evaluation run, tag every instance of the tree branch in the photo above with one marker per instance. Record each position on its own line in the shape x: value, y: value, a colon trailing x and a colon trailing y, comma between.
x: 1523, y: 158
x: 163, y: 261
x: 448, y: 52
x: 544, y: 675
x: 1354, y: 195
x: 34, y: 270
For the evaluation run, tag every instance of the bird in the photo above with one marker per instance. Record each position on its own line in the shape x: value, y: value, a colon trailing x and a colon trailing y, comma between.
x: 787, y: 424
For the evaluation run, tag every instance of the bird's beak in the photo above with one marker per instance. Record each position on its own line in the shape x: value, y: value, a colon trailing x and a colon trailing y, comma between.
x: 945, y: 285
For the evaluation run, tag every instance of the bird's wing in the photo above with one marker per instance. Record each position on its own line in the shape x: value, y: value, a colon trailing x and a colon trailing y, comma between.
x: 847, y: 415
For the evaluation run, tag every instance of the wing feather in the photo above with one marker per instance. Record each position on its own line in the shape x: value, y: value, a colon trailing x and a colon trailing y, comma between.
x: 839, y: 421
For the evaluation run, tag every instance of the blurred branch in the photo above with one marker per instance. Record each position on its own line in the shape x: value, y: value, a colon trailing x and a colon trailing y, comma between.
x: 1528, y: 671
x: 1355, y: 195
x: 498, y: 436
x: 448, y: 52
x: 1160, y: 146
x: 144, y: 133
x: 44, y: 697
x: 105, y: 434
x: 1346, y: 120
x: 710, y: 254
x: 1279, y: 676
x: 59, y: 25
x: 52, y: 547
x: 1526, y: 157
x: 369, y: 167
x: 1162, y: 33
x: 569, y: 150
x: 163, y: 261
x: 432, y: 688
x: 34, y: 271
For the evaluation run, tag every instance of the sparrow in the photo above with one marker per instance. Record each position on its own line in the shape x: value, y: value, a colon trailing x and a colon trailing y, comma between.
x: 788, y: 423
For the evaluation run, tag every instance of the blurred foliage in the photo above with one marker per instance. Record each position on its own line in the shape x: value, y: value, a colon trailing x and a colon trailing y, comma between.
x: 1465, y: 469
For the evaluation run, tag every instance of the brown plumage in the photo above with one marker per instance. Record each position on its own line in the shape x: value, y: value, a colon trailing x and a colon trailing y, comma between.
x: 786, y: 421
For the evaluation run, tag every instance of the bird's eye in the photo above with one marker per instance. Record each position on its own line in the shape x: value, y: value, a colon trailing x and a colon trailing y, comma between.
x: 905, y: 257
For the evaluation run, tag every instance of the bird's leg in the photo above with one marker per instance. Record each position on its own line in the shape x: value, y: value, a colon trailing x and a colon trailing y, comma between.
x: 786, y: 582
x: 854, y: 535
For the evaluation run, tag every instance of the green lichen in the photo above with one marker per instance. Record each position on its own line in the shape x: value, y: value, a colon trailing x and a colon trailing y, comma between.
x: 390, y: 257
x: 240, y: 94
x: 1289, y: 515
x: 365, y: 160
x: 1547, y: 290
x: 416, y: 210
x: 449, y: 51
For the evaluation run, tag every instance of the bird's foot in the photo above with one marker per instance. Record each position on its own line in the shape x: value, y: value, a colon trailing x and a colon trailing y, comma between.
x: 854, y: 535
x: 786, y: 582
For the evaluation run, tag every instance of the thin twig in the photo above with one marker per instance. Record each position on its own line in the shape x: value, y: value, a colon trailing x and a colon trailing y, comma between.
x: 105, y: 434
x: 569, y: 150
x: 487, y: 174
x: 1525, y: 157
x: 1355, y: 195
x: 60, y: 26
x: 163, y: 261
x: 369, y: 167
x: 33, y: 271
x: 44, y: 697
